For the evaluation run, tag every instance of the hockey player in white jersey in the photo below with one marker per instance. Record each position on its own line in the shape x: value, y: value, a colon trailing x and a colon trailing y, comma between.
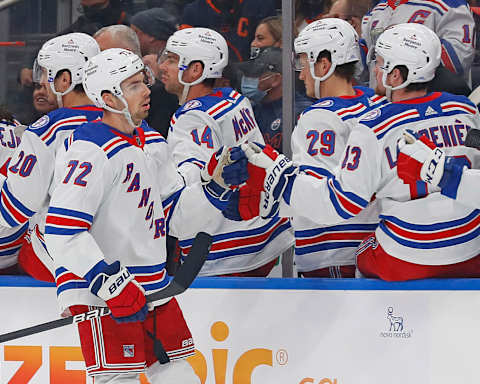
x: 208, y: 119
x: 420, y: 235
x: 11, y: 239
x: 421, y: 160
x: 117, y: 194
x: 58, y: 66
x: 329, y: 52
x: 451, y: 20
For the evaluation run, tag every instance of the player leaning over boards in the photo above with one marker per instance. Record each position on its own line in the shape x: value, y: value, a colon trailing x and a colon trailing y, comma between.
x: 417, y: 237
x: 329, y: 251
x: 210, y: 118
x: 26, y: 191
x: 117, y: 195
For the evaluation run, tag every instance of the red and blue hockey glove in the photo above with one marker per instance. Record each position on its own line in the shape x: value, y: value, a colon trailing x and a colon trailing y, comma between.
x: 420, y: 159
x: 123, y: 295
x: 226, y: 170
x: 271, y: 177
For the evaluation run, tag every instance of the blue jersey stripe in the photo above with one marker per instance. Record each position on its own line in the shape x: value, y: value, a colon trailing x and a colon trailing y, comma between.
x: 15, y: 202
x: 71, y: 213
x: 50, y: 230
x: 434, y: 226
x: 336, y: 228
x: 326, y: 246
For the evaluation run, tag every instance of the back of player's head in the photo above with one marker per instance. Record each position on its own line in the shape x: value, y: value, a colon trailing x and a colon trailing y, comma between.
x: 69, y: 53
x: 199, y: 44
x: 413, y: 46
x: 335, y: 36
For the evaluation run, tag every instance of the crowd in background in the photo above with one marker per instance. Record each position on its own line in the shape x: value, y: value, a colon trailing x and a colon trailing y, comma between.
x: 253, y: 31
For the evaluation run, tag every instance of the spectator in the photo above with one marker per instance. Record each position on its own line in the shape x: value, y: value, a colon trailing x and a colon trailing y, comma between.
x: 351, y: 11
x: 96, y: 14
x: 118, y: 36
x: 307, y: 11
x: 451, y: 21
x: 153, y: 28
x: 268, y: 33
x: 236, y: 20
x: 262, y: 84
x: 43, y: 101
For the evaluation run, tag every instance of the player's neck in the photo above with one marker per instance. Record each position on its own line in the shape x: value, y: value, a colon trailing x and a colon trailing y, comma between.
x: 403, y: 94
x: 118, y: 121
x: 75, y: 99
x: 198, y: 90
x: 336, y: 87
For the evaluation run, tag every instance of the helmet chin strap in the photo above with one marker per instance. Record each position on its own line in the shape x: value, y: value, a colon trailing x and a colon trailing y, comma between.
x: 125, y: 112
x: 60, y: 95
x: 318, y: 79
x: 186, y: 86
x: 389, y: 88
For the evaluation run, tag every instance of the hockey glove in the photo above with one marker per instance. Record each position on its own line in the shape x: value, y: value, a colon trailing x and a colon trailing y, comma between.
x: 226, y: 169
x: 419, y: 159
x: 271, y: 177
x: 123, y: 295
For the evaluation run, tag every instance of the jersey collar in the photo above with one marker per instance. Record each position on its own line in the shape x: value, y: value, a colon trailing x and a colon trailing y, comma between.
x: 420, y: 100
x: 137, y: 139
x: 358, y: 93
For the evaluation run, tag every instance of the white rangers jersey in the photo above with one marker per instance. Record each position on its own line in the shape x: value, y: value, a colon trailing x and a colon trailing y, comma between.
x: 433, y: 230
x: 30, y: 174
x: 318, y: 142
x: 198, y: 129
x: 467, y: 192
x: 10, y: 238
x: 115, y: 198
x: 451, y: 20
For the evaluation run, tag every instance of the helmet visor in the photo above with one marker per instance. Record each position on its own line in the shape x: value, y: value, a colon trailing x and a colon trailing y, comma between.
x: 39, y: 73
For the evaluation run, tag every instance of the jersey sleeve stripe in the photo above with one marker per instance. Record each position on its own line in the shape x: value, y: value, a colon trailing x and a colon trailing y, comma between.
x: 199, y: 163
x: 450, y: 58
x: 72, y: 213
x: 457, y: 106
x: 241, y: 242
x: 12, y: 210
x: 421, y: 3
x: 69, y: 123
x: 14, y: 237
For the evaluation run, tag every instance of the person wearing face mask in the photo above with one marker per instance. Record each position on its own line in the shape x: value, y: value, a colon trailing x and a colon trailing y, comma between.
x: 261, y: 82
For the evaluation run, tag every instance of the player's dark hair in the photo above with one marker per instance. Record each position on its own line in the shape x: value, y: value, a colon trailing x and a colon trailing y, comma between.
x: 5, y: 114
x: 412, y: 87
x: 344, y: 71
x: 78, y: 88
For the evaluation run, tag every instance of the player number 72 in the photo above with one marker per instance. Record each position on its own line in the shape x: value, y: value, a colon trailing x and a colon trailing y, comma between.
x: 85, y: 168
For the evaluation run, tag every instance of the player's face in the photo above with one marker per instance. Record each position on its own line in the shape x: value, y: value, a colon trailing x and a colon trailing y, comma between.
x: 137, y: 95
x: 379, y: 88
x: 306, y: 76
x: 168, y: 68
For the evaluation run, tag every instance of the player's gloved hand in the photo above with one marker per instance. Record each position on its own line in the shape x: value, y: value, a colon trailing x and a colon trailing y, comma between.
x: 271, y: 177
x: 420, y: 159
x: 226, y: 169
x: 123, y: 295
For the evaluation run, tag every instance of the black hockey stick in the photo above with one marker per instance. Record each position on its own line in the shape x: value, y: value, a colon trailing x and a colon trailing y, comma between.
x: 180, y: 282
